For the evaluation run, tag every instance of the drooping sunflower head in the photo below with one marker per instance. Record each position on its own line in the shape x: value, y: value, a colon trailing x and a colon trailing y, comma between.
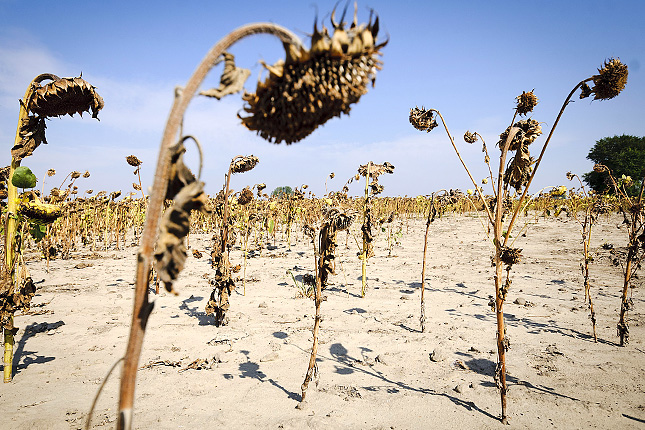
x: 422, y: 119
x: 64, y: 96
x: 470, y: 137
x: 246, y: 196
x: 312, y: 86
x: 610, y: 80
x: 133, y: 160
x: 244, y: 164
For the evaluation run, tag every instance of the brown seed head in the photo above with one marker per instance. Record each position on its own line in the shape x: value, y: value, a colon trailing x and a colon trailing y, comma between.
x: 133, y: 161
x: 136, y: 186
x: 51, y: 172
x: 86, y: 174
x: 610, y: 80
x: 470, y: 137
x: 510, y: 256
x: 526, y: 102
x: 76, y: 175
x: 599, y: 168
x: 422, y: 119
x: 246, y: 196
x: 244, y: 164
x: 311, y: 87
x: 64, y: 96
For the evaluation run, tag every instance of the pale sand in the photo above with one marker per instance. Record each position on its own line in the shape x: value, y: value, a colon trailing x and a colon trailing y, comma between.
x: 375, y: 370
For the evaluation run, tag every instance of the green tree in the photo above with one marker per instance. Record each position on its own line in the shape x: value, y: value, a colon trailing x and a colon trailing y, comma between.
x: 624, y: 155
x: 280, y: 191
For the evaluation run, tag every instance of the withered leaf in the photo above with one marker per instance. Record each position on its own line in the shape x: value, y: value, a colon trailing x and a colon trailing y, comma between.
x: 32, y: 134
x: 232, y: 80
x: 180, y: 174
x: 170, y: 254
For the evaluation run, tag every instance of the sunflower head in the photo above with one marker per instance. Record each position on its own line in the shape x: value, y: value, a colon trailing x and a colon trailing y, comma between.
x: 244, y: 164
x: 64, y: 96
x: 510, y: 256
x: 610, y: 80
x: 470, y: 137
x: 133, y: 161
x: 422, y: 119
x: 312, y: 86
x: 246, y: 196
x: 526, y: 102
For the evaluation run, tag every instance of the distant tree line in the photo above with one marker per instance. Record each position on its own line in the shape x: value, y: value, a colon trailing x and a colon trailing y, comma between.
x: 624, y: 155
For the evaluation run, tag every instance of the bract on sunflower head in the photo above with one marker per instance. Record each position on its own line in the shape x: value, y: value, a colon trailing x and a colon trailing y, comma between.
x: 312, y: 86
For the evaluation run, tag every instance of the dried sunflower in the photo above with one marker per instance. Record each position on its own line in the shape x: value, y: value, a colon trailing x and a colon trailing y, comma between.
x: 133, y: 161
x: 246, y: 196
x: 422, y: 119
x: 64, y: 96
x: 610, y: 80
x: 470, y: 137
x: 244, y: 164
x: 312, y: 86
x: 526, y: 102
x: 510, y: 256
x: 60, y: 97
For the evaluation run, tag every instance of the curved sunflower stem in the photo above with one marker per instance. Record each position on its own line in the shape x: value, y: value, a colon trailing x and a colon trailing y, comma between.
x: 11, y: 228
x: 142, y: 306
x: 463, y: 163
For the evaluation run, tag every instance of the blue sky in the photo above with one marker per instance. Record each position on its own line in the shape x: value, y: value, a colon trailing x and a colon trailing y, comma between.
x: 468, y: 59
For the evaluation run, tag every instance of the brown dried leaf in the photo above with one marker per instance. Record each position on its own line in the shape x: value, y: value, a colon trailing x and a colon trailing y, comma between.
x: 232, y: 80
x: 170, y: 254
x: 32, y: 134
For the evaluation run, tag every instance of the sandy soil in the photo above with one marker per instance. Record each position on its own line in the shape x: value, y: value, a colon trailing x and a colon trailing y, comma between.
x: 376, y: 369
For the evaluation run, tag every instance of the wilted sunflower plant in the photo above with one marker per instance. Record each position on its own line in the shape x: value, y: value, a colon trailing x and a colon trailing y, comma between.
x: 370, y: 171
x: 513, y: 180
x: 335, y: 220
x: 593, y: 208
x: 223, y: 281
x: 633, y: 211
x: 58, y: 97
x: 301, y: 93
